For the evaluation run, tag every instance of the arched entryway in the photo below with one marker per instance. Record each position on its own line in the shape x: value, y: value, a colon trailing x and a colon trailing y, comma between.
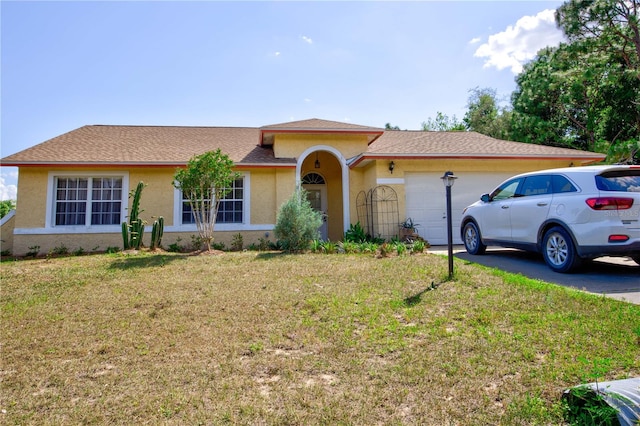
x: 326, y: 164
x: 316, y: 187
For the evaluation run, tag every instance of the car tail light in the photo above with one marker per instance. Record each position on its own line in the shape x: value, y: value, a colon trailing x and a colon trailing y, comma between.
x: 618, y: 238
x: 610, y: 203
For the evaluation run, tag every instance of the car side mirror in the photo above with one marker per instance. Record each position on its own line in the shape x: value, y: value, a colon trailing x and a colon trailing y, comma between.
x: 485, y: 198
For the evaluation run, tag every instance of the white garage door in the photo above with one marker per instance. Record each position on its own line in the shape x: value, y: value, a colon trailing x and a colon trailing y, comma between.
x: 427, y: 206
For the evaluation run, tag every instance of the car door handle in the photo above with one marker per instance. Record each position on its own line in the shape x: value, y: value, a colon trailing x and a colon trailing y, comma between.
x: 504, y: 206
x: 542, y: 204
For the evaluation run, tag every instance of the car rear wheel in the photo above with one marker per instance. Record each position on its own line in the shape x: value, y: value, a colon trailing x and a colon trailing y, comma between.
x: 472, y: 241
x: 558, y: 250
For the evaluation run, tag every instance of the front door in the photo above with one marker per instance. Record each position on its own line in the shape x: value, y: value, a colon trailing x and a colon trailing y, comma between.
x: 317, y: 196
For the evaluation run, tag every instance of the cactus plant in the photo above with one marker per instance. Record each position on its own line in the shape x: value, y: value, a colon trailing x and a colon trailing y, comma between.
x: 133, y: 232
x: 156, y: 233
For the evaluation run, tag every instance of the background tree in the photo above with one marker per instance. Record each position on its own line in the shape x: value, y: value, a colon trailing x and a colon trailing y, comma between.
x: 484, y: 114
x: 585, y: 93
x: 388, y: 126
x: 6, y: 206
x: 442, y: 123
x: 612, y: 26
x: 204, y: 182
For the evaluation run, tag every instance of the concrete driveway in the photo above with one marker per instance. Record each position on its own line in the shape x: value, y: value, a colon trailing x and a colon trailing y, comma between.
x: 614, y: 277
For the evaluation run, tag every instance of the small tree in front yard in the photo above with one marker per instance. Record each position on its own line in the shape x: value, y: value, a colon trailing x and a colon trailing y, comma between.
x: 297, y: 222
x: 204, y: 182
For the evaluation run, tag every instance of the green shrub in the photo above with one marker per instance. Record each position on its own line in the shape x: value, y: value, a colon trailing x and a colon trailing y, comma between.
x: 355, y: 234
x: 316, y: 245
x: 418, y: 246
x: 237, y: 243
x: 329, y: 247
x: 60, y: 250
x: 297, y: 223
x: 33, y: 251
x: 400, y: 247
x: 349, y: 247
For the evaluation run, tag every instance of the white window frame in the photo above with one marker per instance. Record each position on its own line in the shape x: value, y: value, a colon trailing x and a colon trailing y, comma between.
x: 245, y: 225
x: 70, y: 229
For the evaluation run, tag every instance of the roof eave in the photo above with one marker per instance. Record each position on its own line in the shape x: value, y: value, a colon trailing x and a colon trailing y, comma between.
x: 364, y: 159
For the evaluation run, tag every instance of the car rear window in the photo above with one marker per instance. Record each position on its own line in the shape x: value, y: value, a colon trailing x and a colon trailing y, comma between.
x: 619, y: 180
x: 561, y: 184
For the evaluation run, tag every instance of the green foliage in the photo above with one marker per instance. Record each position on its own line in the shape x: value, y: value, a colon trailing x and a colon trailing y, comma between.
x: 79, y: 251
x: 418, y: 246
x: 349, y: 247
x: 112, y: 249
x: 584, y: 407
x: 157, y: 232
x: 133, y: 231
x: 316, y: 245
x: 6, y: 206
x: 204, y: 182
x: 175, y: 247
x: 237, y: 243
x: 297, y: 223
x: 400, y: 247
x: 585, y: 93
x: 442, y: 123
x: 60, y: 250
x: 329, y: 247
x: 355, y: 234
x: 484, y: 114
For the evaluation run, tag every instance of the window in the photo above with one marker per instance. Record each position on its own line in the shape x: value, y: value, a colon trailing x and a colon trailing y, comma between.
x: 562, y: 184
x: 508, y: 190
x: 536, y: 185
x: 619, y: 180
x: 230, y: 210
x: 88, y: 201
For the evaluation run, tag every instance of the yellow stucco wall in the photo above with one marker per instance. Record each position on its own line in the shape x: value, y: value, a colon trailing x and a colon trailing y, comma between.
x: 292, y: 145
x: 32, y: 193
x: 157, y: 195
x: 270, y: 187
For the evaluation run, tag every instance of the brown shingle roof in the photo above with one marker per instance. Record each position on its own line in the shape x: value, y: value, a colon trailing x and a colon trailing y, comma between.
x: 318, y: 124
x: 174, y: 145
x: 394, y: 143
x: 147, y: 145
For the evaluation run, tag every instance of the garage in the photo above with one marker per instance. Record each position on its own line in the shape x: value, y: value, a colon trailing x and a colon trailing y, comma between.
x: 426, y: 201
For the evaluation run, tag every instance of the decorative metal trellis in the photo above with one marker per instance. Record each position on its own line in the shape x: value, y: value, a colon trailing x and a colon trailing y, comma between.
x: 378, y: 212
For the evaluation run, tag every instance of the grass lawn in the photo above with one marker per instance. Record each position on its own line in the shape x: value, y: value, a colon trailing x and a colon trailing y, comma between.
x: 263, y: 338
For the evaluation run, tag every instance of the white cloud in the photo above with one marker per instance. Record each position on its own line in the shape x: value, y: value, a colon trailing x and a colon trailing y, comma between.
x: 307, y: 39
x: 7, y: 191
x: 519, y: 43
x: 475, y: 40
x: 277, y: 54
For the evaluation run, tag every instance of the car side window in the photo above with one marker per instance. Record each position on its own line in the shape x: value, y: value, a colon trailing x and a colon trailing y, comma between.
x: 536, y: 185
x: 506, y: 190
x: 561, y: 185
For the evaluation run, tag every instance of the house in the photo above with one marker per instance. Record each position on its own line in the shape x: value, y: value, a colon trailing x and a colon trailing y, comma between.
x: 73, y: 189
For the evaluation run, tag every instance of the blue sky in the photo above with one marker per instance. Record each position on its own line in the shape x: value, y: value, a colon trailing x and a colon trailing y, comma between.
x: 209, y: 63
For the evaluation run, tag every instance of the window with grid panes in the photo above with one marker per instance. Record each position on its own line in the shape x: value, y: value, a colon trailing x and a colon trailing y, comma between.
x: 88, y: 201
x: 230, y: 210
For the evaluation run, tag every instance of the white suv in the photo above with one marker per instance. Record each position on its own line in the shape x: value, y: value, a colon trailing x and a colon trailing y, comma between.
x: 566, y: 214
